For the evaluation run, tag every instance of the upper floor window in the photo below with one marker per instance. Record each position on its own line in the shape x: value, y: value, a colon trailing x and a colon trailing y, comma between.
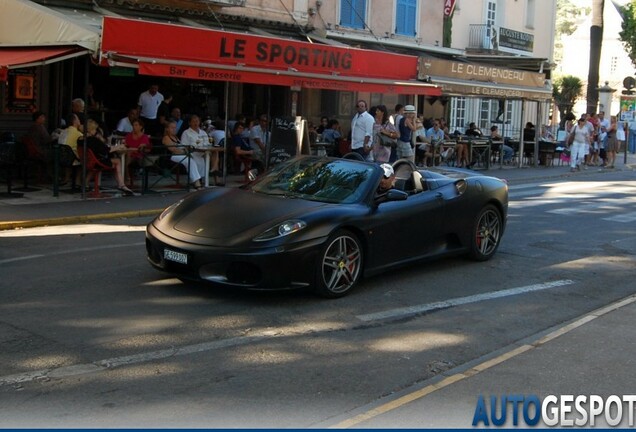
x: 352, y: 13
x: 405, y: 17
x: 530, y: 14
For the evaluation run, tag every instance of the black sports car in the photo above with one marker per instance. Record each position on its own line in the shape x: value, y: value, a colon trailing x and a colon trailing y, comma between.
x: 320, y: 222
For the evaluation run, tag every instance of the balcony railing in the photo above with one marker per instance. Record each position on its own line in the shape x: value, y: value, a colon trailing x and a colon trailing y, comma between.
x: 481, y: 37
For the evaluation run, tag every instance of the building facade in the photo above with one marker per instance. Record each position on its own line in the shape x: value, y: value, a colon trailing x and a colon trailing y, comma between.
x: 469, y: 61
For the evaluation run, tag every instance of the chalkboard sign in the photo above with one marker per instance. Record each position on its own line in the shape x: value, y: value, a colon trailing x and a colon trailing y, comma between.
x: 285, y: 139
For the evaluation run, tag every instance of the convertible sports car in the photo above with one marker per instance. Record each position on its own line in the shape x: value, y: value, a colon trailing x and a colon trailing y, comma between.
x: 319, y: 222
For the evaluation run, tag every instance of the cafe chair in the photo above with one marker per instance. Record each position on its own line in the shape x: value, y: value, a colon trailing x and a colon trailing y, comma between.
x: 8, y: 163
x: 94, y: 167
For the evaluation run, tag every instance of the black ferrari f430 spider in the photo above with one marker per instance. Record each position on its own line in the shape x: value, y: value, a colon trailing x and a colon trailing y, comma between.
x: 320, y: 223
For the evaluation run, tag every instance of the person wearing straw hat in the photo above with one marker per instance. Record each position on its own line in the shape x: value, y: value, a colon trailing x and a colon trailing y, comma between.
x: 406, y: 127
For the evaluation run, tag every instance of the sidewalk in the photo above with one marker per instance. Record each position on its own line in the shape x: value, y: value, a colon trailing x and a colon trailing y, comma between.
x: 41, y: 208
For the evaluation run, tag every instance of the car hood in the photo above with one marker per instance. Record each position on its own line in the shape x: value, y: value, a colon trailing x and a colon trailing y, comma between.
x: 239, y: 211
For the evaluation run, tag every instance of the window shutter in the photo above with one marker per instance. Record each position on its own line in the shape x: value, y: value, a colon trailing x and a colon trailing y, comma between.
x: 405, y: 17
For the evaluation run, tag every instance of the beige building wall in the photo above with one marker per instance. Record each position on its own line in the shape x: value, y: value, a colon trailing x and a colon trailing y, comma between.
x: 535, y: 17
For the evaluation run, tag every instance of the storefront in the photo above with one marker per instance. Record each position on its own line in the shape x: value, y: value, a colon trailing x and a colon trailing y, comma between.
x: 38, y: 47
x: 488, y: 95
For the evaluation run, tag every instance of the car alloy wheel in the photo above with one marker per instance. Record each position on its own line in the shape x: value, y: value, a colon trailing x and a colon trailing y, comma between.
x: 487, y: 234
x: 340, y: 265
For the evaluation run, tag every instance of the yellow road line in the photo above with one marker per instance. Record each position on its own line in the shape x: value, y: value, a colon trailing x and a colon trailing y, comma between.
x: 411, y: 397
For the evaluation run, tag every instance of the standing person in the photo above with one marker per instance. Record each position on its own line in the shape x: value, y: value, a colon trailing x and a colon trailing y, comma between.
x: 399, y: 112
x: 259, y: 138
x: 382, y: 126
x: 149, y: 102
x: 582, y: 139
x: 611, y: 144
x: 196, y: 137
x: 620, y: 136
x: 362, y: 131
x: 406, y: 127
x: 163, y: 111
x: 193, y: 163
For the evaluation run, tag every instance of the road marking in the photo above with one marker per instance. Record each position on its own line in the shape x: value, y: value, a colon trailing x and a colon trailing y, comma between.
x: 452, y: 379
x: 103, y: 365
x: 74, y: 252
x: 418, y: 309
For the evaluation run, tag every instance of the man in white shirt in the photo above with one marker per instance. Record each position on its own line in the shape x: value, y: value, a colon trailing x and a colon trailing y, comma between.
x: 149, y: 102
x: 124, y: 125
x: 362, y: 131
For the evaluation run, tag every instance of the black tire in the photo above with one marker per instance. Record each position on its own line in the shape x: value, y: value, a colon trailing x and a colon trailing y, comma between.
x: 339, y: 265
x: 486, y: 234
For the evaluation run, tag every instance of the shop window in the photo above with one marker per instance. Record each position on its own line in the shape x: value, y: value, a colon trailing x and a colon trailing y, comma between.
x: 405, y: 17
x: 352, y: 13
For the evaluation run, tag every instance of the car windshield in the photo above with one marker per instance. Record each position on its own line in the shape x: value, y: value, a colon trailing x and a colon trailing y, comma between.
x: 317, y: 179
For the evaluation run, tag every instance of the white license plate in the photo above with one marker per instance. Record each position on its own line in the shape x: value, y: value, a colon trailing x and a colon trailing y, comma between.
x: 179, y: 257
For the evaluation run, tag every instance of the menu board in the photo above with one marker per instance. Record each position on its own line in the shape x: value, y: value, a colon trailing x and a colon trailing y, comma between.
x: 287, y: 139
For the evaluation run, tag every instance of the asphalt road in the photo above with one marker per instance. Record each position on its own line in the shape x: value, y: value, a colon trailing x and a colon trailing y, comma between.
x: 91, y: 336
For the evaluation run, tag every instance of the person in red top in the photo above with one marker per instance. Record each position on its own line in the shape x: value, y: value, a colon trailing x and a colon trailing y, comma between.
x: 137, y: 143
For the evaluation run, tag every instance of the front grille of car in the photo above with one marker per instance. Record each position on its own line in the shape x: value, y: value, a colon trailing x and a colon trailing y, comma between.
x: 243, y: 273
x: 154, y: 254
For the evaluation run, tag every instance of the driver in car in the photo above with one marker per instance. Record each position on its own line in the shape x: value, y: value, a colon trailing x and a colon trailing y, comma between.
x: 388, y: 180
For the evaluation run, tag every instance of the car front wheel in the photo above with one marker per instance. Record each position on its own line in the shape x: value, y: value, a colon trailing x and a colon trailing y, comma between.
x: 487, y: 233
x: 340, y: 265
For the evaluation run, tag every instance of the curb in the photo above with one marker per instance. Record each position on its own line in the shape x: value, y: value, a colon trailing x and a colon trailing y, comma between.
x: 69, y: 220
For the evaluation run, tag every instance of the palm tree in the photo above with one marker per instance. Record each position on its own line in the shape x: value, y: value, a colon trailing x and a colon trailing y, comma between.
x: 596, y: 42
x: 565, y: 91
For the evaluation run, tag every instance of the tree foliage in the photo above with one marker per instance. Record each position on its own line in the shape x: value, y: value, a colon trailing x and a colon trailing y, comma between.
x: 566, y: 90
x: 628, y: 34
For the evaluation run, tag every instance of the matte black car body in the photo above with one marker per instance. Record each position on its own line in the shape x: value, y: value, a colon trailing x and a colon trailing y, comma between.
x: 339, y: 229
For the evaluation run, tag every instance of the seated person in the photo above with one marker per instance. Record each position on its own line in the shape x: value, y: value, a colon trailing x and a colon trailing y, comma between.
x: 193, y: 163
x: 241, y: 148
x: 529, y: 132
x: 139, y: 142
x: 473, y: 131
x: 498, y: 141
x: 96, y: 143
x: 332, y: 133
x: 387, y: 182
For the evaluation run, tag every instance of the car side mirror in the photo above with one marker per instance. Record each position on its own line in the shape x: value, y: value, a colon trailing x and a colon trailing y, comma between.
x: 392, y: 195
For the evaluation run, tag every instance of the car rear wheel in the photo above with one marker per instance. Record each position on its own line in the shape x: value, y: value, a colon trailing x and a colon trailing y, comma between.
x: 340, y: 265
x: 487, y: 234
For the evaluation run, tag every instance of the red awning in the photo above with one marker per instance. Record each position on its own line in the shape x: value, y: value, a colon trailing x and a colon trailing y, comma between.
x: 284, y: 78
x: 167, y: 50
x: 11, y: 58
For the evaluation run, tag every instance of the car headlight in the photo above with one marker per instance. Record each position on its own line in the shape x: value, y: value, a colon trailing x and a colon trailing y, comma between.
x: 281, y: 230
x: 169, y: 210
